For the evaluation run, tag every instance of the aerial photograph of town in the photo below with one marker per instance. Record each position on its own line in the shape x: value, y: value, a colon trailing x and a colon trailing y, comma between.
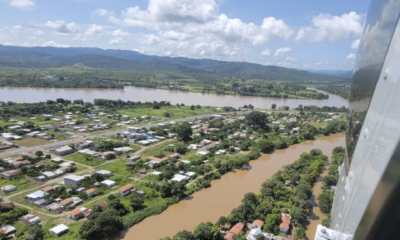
x: 199, y: 119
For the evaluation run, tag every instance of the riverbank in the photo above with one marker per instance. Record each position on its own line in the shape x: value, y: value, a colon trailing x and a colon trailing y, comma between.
x: 225, y: 193
x: 31, y: 95
x: 317, y: 216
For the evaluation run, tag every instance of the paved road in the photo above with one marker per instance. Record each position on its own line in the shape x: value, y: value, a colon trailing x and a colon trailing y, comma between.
x: 16, y: 151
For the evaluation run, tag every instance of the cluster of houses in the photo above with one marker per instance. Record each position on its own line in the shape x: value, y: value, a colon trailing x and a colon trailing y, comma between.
x: 139, y: 136
x: 256, y: 230
x: 19, y: 162
x: 10, y: 136
x: 40, y: 199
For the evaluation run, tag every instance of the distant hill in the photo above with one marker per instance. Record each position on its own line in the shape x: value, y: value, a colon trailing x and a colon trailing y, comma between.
x: 339, y: 73
x: 52, y: 57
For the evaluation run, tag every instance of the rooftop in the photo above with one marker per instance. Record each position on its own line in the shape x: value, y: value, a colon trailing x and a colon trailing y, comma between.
x: 90, y: 191
x: 74, y: 177
x: 127, y: 187
x: 75, y: 212
x: 103, y: 204
x: 59, y: 229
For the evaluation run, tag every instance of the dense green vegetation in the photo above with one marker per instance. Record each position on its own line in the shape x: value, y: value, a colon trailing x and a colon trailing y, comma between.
x: 91, y: 68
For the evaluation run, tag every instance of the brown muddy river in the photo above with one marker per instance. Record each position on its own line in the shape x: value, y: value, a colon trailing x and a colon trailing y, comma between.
x: 227, y: 193
x: 30, y: 95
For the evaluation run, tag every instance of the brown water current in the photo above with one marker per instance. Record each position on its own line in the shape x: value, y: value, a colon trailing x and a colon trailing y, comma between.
x: 226, y: 193
x: 30, y: 95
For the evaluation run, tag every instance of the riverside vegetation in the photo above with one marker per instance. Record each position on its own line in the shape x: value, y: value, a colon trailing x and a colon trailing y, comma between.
x: 288, y: 190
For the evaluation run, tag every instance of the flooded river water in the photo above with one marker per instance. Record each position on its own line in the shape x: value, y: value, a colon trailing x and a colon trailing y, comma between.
x: 227, y: 193
x: 31, y: 95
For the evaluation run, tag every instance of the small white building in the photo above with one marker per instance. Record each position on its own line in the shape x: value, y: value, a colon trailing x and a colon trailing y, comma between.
x: 108, y: 183
x: 179, y: 178
x: 8, y: 229
x: 59, y: 230
x: 104, y: 172
x: 190, y: 174
x: 8, y: 188
x: 202, y: 153
x: 156, y: 173
x: 185, y: 161
x: 57, y: 160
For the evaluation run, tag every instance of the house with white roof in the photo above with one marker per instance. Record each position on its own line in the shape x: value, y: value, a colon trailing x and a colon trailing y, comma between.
x: 179, y: 178
x: 73, y: 180
x: 108, y: 183
x: 59, y: 230
x: 35, y: 196
x: 29, y: 219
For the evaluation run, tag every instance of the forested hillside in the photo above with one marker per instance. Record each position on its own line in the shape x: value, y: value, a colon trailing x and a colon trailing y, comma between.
x: 98, y: 68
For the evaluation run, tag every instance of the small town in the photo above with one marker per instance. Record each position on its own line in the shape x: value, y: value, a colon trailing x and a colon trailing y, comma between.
x: 135, y: 165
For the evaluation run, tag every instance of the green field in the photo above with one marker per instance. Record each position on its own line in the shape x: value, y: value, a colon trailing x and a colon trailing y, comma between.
x: 84, y: 159
x: 21, y: 184
x: 118, y: 168
x: 30, y: 142
x: 176, y: 112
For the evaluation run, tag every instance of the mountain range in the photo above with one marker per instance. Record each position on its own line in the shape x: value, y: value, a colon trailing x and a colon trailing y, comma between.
x: 53, y: 57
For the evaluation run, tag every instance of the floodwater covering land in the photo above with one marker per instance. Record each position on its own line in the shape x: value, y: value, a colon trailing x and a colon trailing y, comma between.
x: 30, y: 95
x: 226, y: 193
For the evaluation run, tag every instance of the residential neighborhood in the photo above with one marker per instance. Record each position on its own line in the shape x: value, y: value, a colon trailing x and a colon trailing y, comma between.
x: 125, y: 169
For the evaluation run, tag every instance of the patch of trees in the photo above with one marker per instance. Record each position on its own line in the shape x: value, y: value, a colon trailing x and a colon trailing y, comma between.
x: 101, y: 224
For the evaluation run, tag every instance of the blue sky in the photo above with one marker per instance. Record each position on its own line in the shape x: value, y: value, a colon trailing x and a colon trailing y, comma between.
x: 315, y: 34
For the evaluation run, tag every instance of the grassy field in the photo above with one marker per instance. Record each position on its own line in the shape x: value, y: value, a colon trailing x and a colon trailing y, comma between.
x: 59, y: 136
x: 318, y: 125
x: 73, y: 231
x: 21, y: 184
x: 30, y: 142
x: 176, y: 112
x: 38, y: 121
x: 84, y: 159
x: 118, y: 168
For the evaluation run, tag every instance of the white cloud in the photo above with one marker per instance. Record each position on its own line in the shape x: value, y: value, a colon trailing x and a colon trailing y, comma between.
x: 119, y: 37
x: 281, y: 51
x: 183, y: 10
x: 119, y: 33
x: 174, y: 35
x: 351, y: 56
x: 102, y: 13
x: 62, y: 27
x: 334, y: 28
x: 17, y: 29
x: 53, y: 44
x: 183, y: 19
x: 266, y: 52
x: 355, y: 43
x: 22, y: 3
x: 94, y: 30
x: 38, y: 33
x: 290, y: 59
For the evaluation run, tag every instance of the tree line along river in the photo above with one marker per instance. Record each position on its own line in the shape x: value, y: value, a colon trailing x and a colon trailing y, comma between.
x: 30, y: 95
x: 226, y: 193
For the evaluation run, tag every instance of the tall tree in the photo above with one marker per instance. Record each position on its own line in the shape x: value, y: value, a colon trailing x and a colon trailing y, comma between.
x: 257, y: 120
x: 184, y: 131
